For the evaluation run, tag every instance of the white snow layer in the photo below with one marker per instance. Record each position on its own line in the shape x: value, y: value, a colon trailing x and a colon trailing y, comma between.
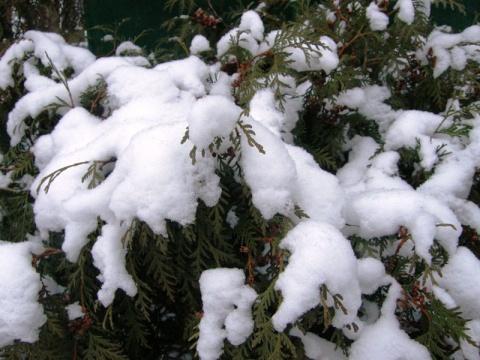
x: 227, y: 312
x: 378, y: 19
x: 384, y: 340
x: 20, y: 314
x: 149, y: 176
x: 317, y: 348
x: 451, y: 50
x: 406, y: 11
x: 461, y: 280
x: 74, y: 311
x: 199, y: 44
x: 321, y: 57
x: 320, y: 255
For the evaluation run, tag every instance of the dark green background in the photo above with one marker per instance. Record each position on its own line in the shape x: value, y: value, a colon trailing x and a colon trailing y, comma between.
x: 150, y: 15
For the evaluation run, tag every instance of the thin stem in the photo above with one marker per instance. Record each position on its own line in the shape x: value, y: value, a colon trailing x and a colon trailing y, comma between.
x: 63, y: 79
x: 347, y: 45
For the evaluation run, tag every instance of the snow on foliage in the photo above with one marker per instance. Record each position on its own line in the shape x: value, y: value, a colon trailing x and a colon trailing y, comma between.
x: 149, y: 175
x: 320, y: 255
x: 461, y: 279
x: 384, y: 340
x: 451, y: 50
x: 20, y: 313
x: 227, y: 307
x: 378, y: 213
x: 378, y: 20
x: 318, y: 348
x: 406, y: 11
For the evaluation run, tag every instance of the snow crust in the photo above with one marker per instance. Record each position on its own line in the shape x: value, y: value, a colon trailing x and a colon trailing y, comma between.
x: 136, y: 146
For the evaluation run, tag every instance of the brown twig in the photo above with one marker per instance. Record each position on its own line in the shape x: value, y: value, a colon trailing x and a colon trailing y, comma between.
x: 250, y: 264
x: 95, y: 101
x: 339, y: 14
x: 347, y: 45
x: 419, y: 304
x: 402, y: 232
x: 48, y: 252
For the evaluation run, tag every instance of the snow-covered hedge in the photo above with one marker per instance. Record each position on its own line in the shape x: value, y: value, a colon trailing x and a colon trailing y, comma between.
x: 362, y: 249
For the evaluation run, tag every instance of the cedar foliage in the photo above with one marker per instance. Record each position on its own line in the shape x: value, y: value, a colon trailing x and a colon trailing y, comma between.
x: 161, y: 321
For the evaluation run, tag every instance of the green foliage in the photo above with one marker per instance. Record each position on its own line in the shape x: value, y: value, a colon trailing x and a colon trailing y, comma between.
x: 161, y: 321
x: 451, y: 3
x: 442, y: 323
x: 94, y: 99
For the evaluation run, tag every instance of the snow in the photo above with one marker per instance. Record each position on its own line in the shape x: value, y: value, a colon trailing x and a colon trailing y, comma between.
x: 468, y: 350
x: 384, y: 340
x: 365, y: 171
x: 243, y: 39
x: 371, y: 275
x: 128, y: 48
x: 418, y: 126
x: 406, y: 11
x: 227, y: 313
x: 317, y: 192
x: 74, y: 311
x: 128, y: 133
x: 320, y: 255
x: 188, y: 74
x: 377, y: 213
x: 461, y: 280
x: 375, y: 108
x: 109, y: 257
x: 149, y: 176
x: 199, y: 44
x: 211, y: 117
x: 13, y: 53
x: 34, y: 103
x: 252, y: 23
x: 271, y: 194
x: 46, y: 47
x: 451, y: 50
x: 318, y: 57
x: 263, y: 108
x: 20, y: 314
x: 378, y: 19
x: 317, y: 348
x: 247, y: 35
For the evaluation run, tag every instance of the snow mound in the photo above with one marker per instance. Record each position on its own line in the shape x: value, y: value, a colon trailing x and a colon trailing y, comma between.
x: 21, y: 315
x: 227, y: 313
x: 320, y: 255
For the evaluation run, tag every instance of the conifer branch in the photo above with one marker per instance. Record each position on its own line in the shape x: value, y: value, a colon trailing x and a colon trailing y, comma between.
x: 63, y: 80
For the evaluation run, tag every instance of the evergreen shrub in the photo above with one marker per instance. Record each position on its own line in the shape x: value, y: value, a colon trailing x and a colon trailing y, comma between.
x: 285, y: 180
